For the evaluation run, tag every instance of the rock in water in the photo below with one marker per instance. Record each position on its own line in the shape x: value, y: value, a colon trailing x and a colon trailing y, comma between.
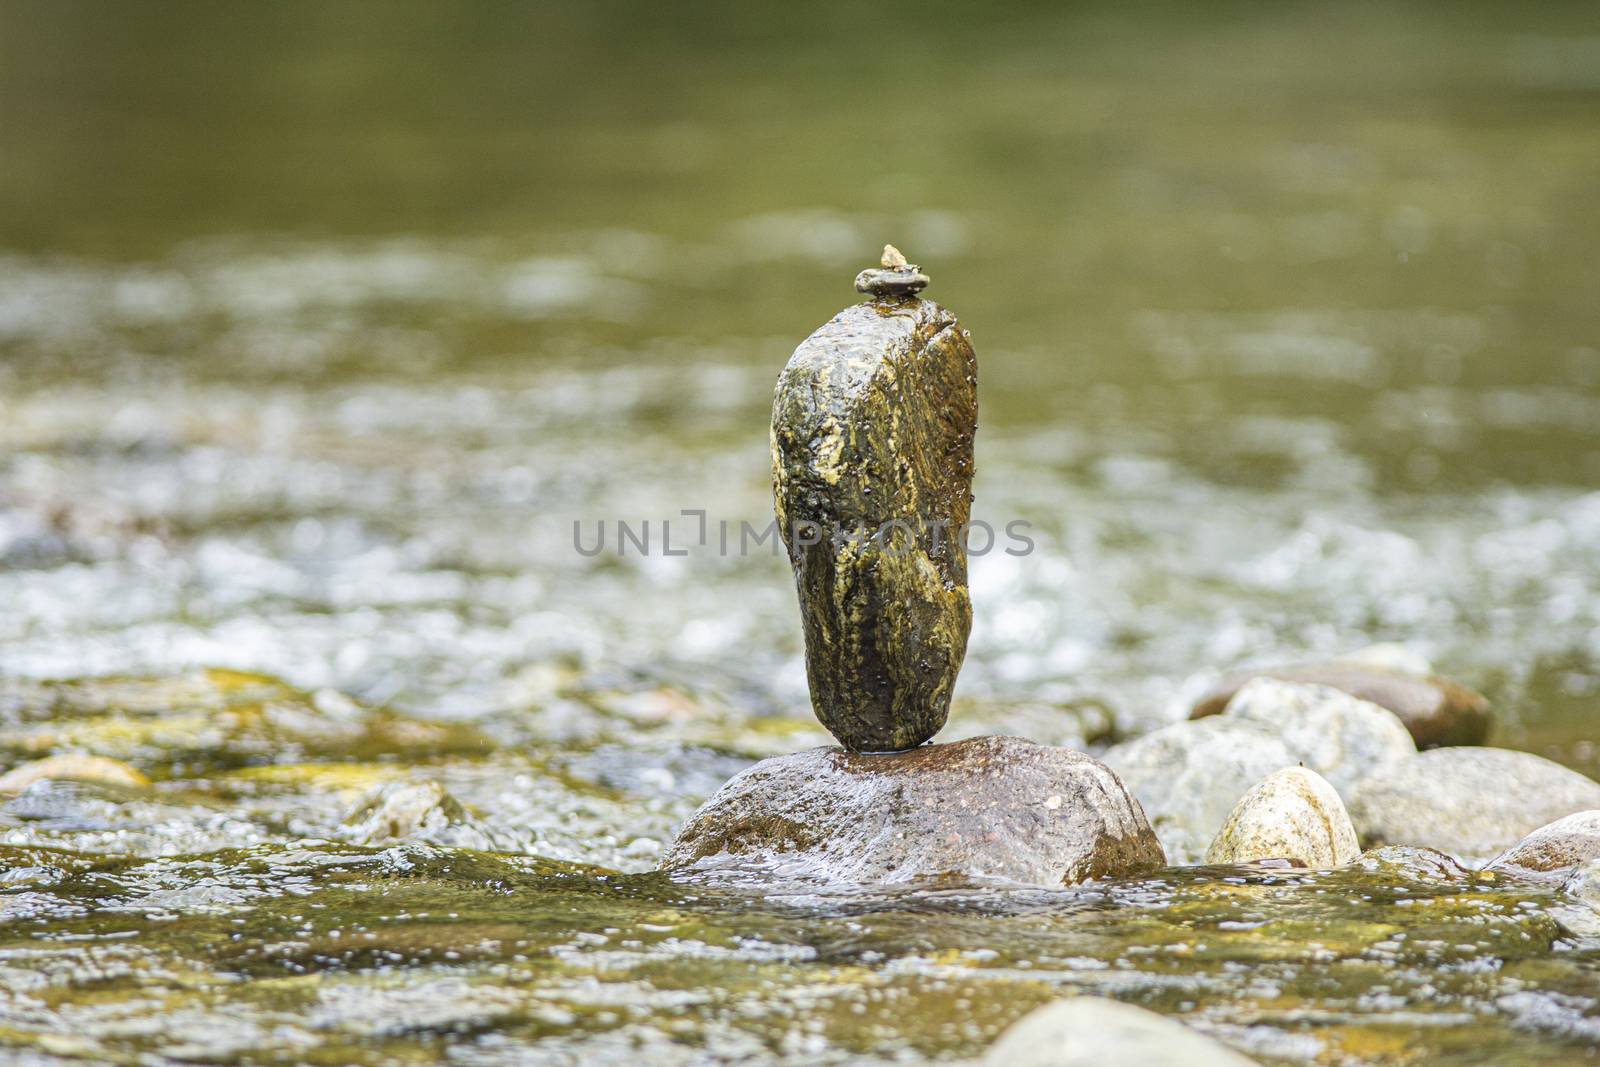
x: 1188, y: 777
x: 988, y: 807
x: 1553, y: 851
x: 1291, y: 814
x: 872, y: 430
x: 1470, y: 802
x: 1095, y: 1032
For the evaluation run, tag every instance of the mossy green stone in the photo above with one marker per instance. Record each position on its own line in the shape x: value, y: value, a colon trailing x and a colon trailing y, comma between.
x: 873, y: 424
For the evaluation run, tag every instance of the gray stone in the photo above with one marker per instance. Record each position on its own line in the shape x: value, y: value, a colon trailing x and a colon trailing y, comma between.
x: 1337, y: 735
x: 988, y: 807
x: 1553, y: 851
x: 1291, y: 814
x: 1470, y: 802
x: 1188, y: 777
x: 1096, y: 1032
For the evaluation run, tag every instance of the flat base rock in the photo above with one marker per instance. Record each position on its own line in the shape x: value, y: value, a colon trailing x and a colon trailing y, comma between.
x: 1470, y: 802
x: 1095, y: 1032
x: 987, y: 807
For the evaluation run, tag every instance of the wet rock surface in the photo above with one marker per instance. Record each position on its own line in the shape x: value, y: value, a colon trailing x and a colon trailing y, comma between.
x: 1553, y: 851
x: 989, y: 807
x: 1292, y: 814
x: 1436, y: 711
x: 1096, y: 1032
x: 71, y: 767
x: 873, y: 424
x: 1188, y: 777
x: 1339, y: 736
x: 1470, y: 802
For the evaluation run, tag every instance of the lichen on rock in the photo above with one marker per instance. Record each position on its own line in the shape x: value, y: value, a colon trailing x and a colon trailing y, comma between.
x: 872, y: 436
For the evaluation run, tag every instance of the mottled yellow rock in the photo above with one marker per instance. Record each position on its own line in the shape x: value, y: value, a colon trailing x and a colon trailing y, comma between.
x: 1291, y: 814
x: 74, y: 766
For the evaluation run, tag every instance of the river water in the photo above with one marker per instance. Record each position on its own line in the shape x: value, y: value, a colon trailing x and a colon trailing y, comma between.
x: 322, y: 327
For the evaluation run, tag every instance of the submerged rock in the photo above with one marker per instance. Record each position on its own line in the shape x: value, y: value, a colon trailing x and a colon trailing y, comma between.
x: 1471, y: 802
x: 418, y: 811
x: 988, y: 807
x: 872, y: 432
x: 1436, y: 711
x: 73, y: 767
x: 1553, y: 851
x: 1188, y: 777
x: 1413, y: 864
x: 1291, y: 814
x: 1339, y: 736
x: 1097, y: 1032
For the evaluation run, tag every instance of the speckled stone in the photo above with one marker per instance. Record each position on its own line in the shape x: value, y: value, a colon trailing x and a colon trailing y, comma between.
x: 1292, y: 814
x: 1553, y: 851
x: 1188, y: 777
x: 1470, y: 802
x: 1096, y: 1032
x: 988, y: 808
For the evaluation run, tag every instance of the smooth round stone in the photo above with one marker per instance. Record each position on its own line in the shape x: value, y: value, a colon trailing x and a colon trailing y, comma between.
x: 1552, y: 851
x: 1188, y: 777
x: 71, y: 767
x: 1470, y: 802
x: 1096, y: 1032
x: 1291, y: 814
x: 985, y: 808
x: 1339, y: 736
x: 1434, y: 710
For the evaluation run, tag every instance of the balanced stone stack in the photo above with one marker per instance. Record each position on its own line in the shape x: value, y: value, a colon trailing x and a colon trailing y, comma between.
x: 872, y: 430
x: 872, y: 436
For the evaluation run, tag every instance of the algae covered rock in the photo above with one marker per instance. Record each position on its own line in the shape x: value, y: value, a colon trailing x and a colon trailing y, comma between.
x: 1435, y: 711
x: 1470, y: 802
x: 1291, y: 814
x: 988, y: 807
x: 1553, y: 851
x: 1188, y: 776
x: 1341, y: 737
x: 872, y: 434
x: 1096, y: 1032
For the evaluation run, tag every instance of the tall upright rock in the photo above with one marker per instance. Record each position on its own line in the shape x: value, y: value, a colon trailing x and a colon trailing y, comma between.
x: 872, y: 436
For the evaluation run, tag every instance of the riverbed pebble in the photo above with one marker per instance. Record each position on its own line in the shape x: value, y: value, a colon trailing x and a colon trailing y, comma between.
x: 1188, y: 776
x: 1470, y: 802
x: 986, y: 807
x: 1097, y: 1032
x: 71, y: 766
x: 1553, y: 851
x: 1292, y: 814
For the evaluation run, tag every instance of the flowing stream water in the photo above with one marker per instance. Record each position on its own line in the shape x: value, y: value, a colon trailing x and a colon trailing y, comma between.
x: 322, y: 327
